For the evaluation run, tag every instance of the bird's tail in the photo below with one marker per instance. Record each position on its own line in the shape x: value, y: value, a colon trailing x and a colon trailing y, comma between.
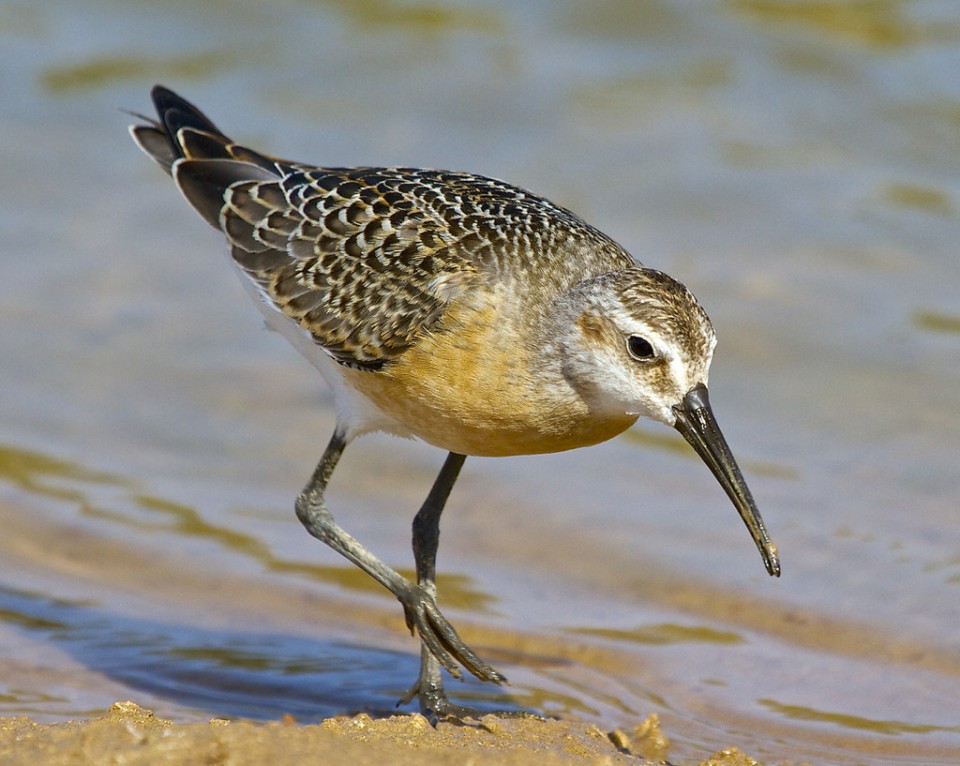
x: 202, y: 160
x: 184, y: 132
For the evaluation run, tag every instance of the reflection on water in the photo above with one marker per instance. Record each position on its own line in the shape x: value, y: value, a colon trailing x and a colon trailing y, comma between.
x: 669, y: 442
x: 49, y: 477
x: 230, y: 674
x: 422, y: 18
x: 101, y: 71
x: 63, y: 480
x: 923, y: 198
x: 795, y: 162
x: 881, y: 23
x: 936, y: 321
x: 664, y: 633
x: 253, y: 674
x: 263, y: 674
x: 892, y: 728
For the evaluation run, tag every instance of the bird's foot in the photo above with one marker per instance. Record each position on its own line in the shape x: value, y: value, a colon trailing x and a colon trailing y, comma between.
x: 441, y: 640
x: 436, y: 707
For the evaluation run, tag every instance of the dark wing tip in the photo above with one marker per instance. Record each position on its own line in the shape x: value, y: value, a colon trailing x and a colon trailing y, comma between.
x: 160, y: 139
x: 204, y: 183
x: 173, y: 108
x: 153, y: 142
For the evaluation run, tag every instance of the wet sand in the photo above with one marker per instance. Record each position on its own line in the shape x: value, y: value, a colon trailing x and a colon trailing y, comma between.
x: 132, y: 735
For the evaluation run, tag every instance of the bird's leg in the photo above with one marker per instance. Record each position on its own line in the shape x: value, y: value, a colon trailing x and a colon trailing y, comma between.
x: 437, y: 635
x: 426, y: 537
x: 313, y: 514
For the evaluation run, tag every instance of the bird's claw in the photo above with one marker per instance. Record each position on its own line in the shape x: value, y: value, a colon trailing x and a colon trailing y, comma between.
x: 441, y: 639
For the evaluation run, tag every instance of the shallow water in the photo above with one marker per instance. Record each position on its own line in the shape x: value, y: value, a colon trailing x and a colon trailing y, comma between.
x: 794, y: 163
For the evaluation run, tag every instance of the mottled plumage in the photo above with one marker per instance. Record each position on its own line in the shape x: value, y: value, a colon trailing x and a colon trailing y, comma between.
x: 452, y: 307
x: 365, y: 260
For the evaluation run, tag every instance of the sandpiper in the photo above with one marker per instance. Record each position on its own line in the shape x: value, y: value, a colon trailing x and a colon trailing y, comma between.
x: 458, y: 309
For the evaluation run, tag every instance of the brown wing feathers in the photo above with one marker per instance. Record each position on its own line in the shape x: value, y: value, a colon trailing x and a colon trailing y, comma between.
x: 348, y: 255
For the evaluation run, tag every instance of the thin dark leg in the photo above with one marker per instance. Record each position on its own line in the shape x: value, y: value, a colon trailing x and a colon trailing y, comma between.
x: 426, y: 524
x: 426, y: 538
x: 437, y: 635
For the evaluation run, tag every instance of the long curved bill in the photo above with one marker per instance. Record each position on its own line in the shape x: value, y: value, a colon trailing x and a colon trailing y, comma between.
x: 696, y: 422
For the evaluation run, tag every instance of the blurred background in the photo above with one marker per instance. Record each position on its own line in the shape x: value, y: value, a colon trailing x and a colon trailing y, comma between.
x: 796, y: 163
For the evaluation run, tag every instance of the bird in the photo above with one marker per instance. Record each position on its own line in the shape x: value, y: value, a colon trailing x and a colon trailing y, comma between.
x: 456, y: 309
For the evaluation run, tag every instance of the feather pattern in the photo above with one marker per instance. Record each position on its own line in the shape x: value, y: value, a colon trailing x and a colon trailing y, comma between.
x: 366, y: 260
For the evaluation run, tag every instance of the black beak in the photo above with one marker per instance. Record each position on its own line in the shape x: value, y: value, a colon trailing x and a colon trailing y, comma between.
x: 696, y: 422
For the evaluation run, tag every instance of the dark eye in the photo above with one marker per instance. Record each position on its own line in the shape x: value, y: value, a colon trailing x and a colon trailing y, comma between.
x: 640, y: 348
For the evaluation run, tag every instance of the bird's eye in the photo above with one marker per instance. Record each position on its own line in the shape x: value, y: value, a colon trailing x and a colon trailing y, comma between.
x: 640, y: 348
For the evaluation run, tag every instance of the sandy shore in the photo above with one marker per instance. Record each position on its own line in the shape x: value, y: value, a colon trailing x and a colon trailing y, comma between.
x: 133, y: 736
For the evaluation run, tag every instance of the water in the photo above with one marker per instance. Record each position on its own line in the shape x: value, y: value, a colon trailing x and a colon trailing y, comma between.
x: 795, y: 163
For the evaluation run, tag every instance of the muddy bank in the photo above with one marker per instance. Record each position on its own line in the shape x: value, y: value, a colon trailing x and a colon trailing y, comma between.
x: 133, y: 736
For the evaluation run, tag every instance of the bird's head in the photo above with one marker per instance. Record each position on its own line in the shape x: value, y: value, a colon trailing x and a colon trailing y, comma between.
x: 636, y: 341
